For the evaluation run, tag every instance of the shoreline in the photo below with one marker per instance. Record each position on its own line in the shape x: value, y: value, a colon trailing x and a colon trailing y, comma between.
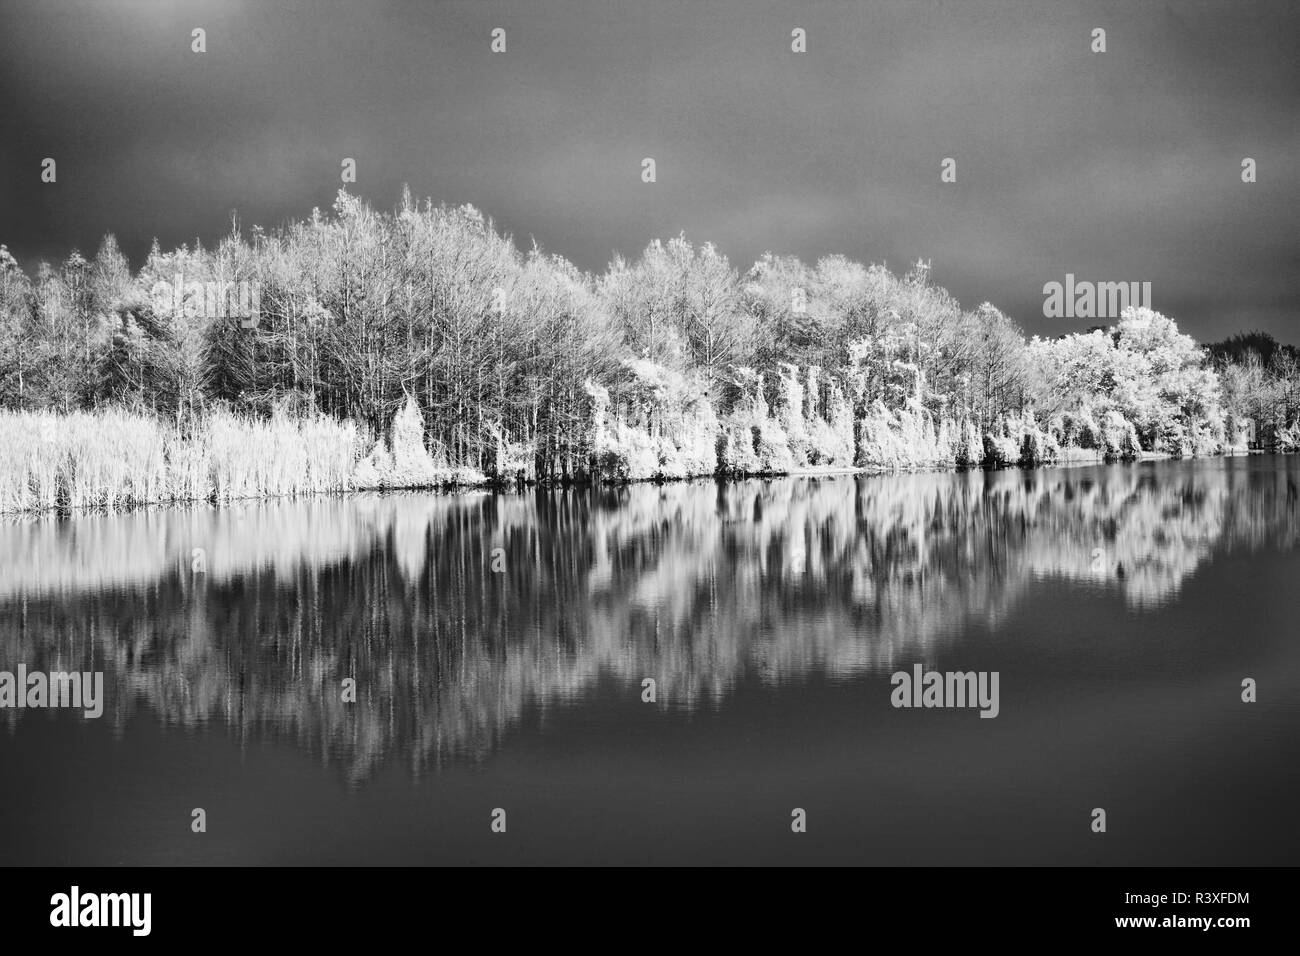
x: 490, y: 486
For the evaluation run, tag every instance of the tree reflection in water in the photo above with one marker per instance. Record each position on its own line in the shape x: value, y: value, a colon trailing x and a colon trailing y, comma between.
x: 697, y: 585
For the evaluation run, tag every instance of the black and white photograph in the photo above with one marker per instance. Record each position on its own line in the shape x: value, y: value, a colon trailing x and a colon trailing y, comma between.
x: 609, y: 434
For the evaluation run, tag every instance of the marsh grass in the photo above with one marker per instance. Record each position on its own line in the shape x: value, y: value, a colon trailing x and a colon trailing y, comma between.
x: 113, y: 458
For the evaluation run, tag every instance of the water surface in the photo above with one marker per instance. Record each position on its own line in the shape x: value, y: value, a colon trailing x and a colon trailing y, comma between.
x: 1121, y: 605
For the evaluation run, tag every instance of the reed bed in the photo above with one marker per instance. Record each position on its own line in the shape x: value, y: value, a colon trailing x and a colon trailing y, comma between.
x: 113, y: 458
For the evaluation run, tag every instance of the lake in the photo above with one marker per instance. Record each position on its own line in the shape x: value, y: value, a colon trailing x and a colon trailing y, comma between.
x: 500, y: 646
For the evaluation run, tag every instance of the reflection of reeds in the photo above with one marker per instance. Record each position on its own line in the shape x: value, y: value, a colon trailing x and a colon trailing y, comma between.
x: 112, y: 458
x: 700, y: 586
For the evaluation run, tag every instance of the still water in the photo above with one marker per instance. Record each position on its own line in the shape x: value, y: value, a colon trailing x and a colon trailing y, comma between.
x: 499, y: 645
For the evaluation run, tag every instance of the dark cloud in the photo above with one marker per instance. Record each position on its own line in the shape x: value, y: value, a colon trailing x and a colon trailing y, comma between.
x: 1117, y: 166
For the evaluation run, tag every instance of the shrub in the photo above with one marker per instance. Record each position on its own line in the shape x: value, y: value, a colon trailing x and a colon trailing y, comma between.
x: 1119, y: 437
x: 1000, y: 451
x: 113, y: 458
x: 905, y: 438
x: 1288, y: 439
x: 1039, y: 448
x: 970, y: 449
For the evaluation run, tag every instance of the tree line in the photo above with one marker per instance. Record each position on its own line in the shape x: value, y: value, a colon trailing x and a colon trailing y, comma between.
x: 517, y: 361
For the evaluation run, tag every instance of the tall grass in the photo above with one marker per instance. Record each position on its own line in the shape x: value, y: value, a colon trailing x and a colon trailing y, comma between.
x: 113, y: 458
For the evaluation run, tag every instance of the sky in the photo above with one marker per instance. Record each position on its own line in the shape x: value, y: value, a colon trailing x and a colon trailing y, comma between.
x: 1116, y: 167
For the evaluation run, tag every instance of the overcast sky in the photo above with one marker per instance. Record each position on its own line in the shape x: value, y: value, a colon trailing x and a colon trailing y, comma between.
x: 1117, y: 166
